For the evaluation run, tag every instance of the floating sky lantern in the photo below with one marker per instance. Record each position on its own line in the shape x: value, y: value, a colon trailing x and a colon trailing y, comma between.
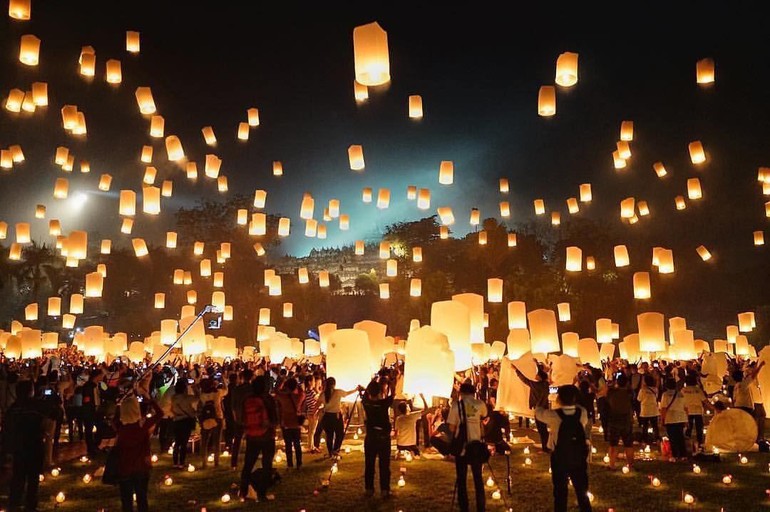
x: 703, y: 253
x: 415, y: 107
x: 564, y: 311
x: 446, y: 172
x: 704, y: 71
x: 113, y: 72
x: 360, y: 92
x: 567, y: 69
x: 642, y: 285
x: 694, y: 188
x: 697, y: 153
x: 574, y: 259
x: 145, y: 100
x: 651, y: 332
x: 627, y: 207
x: 680, y: 203
x: 618, y: 161
x: 512, y: 240
x: 20, y: 9
x: 539, y: 205
x: 445, y: 215
x: 585, y: 193
x: 370, y: 51
x: 495, y: 290
x: 546, y: 101
x: 627, y: 131
x: 252, y: 117
x: 621, y: 256
x: 133, y: 42
x: 29, y: 50
x: 543, y: 331
x: 423, y: 199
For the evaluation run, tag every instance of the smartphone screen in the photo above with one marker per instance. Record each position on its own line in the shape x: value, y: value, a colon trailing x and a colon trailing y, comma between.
x: 553, y: 389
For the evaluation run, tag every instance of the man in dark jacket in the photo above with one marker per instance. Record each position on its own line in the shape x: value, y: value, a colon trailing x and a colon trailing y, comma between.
x: 538, y: 397
x: 25, y: 438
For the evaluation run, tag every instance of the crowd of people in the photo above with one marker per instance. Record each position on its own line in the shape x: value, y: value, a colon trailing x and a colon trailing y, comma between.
x: 252, y: 408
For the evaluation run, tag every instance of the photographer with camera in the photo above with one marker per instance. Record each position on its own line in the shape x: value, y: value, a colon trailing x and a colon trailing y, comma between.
x: 377, y: 401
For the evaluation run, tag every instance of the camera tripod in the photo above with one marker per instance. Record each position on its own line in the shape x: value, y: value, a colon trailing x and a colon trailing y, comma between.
x: 508, y: 479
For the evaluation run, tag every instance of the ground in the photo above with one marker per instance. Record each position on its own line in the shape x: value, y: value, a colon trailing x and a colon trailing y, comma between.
x: 429, y: 485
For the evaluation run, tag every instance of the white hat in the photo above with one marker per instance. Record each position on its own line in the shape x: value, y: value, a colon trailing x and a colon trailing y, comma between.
x: 129, y: 410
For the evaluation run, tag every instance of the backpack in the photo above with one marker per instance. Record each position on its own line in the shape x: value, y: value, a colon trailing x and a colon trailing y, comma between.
x: 619, y: 402
x: 571, y: 446
x: 208, y: 416
x: 256, y: 420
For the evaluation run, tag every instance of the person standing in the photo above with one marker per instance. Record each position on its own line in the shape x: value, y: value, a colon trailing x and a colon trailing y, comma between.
x: 473, y: 410
x: 184, y: 408
x: 333, y: 426
x: 694, y: 399
x: 24, y: 439
x: 674, y: 418
x: 377, y: 403
x: 211, y: 418
x: 569, y: 448
x: 133, y: 448
x: 538, y: 397
x: 290, y: 398
x: 620, y: 417
x: 259, y: 419
x: 241, y: 392
x: 648, y: 409
x: 91, y: 402
x: 310, y: 410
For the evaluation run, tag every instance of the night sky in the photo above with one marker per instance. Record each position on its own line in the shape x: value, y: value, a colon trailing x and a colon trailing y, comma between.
x: 478, y: 72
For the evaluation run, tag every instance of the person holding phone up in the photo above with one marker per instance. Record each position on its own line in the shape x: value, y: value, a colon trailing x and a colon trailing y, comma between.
x: 539, y: 390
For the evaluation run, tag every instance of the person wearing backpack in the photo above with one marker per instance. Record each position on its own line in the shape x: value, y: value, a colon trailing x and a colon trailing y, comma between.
x: 210, y: 417
x: 259, y: 420
x: 569, y: 448
x: 464, y: 421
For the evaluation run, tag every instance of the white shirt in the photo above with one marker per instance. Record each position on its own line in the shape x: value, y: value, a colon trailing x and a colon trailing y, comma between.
x: 756, y: 392
x: 648, y: 400
x: 675, y: 410
x: 406, y: 428
x: 475, y: 409
x: 551, y: 418
x: 693, y: 399
x: 742, y: 393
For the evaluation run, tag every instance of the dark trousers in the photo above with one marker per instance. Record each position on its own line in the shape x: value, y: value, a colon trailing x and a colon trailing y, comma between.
x: 89, y: 421
x: 649, y: 421
x: 235, y: 445
x: 210, y: 443
x: 695, y: 421
x: 461, y: 468
x: 166, y: 433
x: 334, y: 430
x: 601, y: 406
x: 377, y: 446
x: 561, y: 473
x: 75, y: 422
x: 182, y: 430
x: 292, y: 441
x: 542, y: 430
x: 130, y: 486
x: 319, y: 430
x: 675, y: 433
x: 264, y: 445
x: 25, y: 473
x: 759, y: 416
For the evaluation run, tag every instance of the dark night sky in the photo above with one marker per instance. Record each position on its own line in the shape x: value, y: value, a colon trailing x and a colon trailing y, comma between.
x: 478, y: 72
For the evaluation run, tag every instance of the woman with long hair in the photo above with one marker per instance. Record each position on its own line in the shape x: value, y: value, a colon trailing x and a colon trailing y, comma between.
x: 333, y: 426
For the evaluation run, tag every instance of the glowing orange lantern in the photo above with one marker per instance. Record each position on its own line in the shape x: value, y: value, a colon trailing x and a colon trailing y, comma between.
x: 546, y: 101
x: 642, y: 285
x: 704, y: 71
x: 29, y: 50
x: 370, y: 49
x: 446, y: 172
x: 697, y: 153
x: 415, y: 107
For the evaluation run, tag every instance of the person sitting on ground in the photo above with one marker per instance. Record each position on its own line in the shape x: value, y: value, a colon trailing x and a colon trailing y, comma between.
x: 406, y: 428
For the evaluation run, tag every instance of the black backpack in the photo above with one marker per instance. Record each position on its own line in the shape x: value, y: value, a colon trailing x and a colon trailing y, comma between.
x: 208, y: 415
x: 571, y: 446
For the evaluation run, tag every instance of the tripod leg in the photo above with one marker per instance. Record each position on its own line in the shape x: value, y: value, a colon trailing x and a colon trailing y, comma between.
x: 508, y: 470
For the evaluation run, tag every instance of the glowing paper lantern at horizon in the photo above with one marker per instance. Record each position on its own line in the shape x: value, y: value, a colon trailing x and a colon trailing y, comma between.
x: 569, y: 343
x: 704, y: 71
x: 415, y: 287
x: 517, y: 315
x: 518, y: 342
x: 324, y: 334
x: 604, y: 330
x: 194, y: 340
x: 697, y: 153
x: 588, y: 352
x: 168, y: 331
x: 746, y: 321
x: 31, y: 341
x: 356, y: 157
x: 543, y: 331
x: 546, y: 101
x: 574, y: 259
x: 495, y: 290
x: 344, y: 361
x: 370, y: 52
x: 31, y: 312
x: 475, y: 304
x: 652, y: 335
x: 446, y: 172
x: 23, y: 234
x: 445, y: 215
x: 683, y: 344
x: 694, y: 189
x: 453, y: 319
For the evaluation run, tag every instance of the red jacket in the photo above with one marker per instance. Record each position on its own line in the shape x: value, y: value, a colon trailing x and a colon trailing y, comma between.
x: 133, y: 445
